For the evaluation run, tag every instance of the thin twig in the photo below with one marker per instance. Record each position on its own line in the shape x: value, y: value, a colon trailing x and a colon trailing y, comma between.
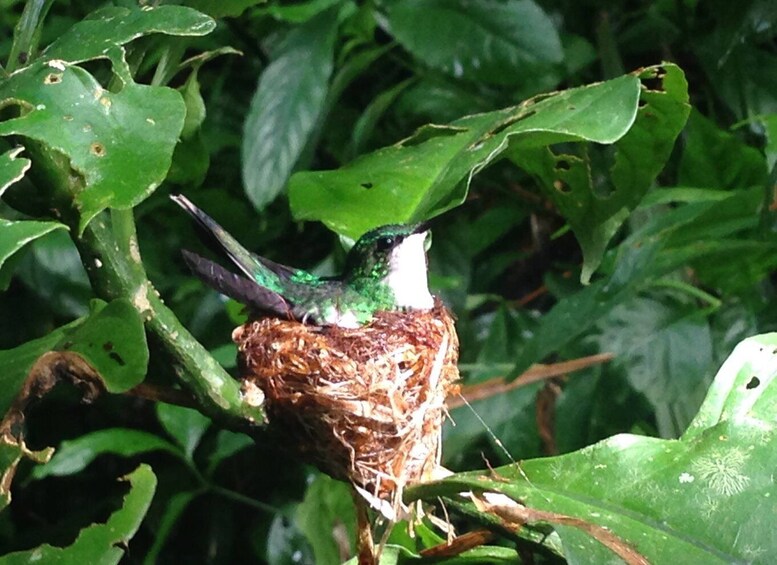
x: 163, y: 394
x: 534, y: 374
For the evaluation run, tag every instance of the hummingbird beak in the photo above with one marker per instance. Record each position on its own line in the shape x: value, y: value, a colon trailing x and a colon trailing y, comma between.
x: 422, y: 227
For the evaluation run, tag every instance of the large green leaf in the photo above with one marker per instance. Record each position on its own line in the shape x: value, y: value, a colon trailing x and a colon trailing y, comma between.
x: 286, y: 106
x: 119, y: 144
x: 665, y: 351
x: 76, y: 454
x: 489, y: 41
x: 100, y: 544
x: 596, y: 207
x: 705, y: 498
x: 110, y: 27
x: 111, y: 340
x: 430, y: 172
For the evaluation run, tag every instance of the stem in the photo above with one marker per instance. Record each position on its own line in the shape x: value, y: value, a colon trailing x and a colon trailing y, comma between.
x: 691, y: 290
x: 161, y: 394
x: 27, y: 33
x: 109, y: 250
x: 243, y: 499
x: 498, y: 385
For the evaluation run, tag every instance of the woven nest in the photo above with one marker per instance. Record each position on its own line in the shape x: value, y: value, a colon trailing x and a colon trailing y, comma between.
x: 365, y: 405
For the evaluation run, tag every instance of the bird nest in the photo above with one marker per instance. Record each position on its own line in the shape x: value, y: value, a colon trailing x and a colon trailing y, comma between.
x: 365, y: 405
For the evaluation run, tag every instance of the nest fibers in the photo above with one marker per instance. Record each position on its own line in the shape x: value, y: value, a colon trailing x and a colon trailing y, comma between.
x: 365, y: 405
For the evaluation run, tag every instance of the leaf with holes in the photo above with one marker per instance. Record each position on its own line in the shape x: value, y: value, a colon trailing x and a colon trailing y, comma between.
x: 596, y: 205
x: 705, y: 498
x: 430, y: 172
x: 108, y: 28
x: 111, y: 340
x: 100, y: 543
x: 106, y: 136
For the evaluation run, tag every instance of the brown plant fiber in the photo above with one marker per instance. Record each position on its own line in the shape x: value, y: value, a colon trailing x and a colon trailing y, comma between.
x: 365, y: 405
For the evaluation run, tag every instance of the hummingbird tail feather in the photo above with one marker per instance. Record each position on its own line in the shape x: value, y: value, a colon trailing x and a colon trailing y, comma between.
x: 236, y: 286
x: 250, y: 264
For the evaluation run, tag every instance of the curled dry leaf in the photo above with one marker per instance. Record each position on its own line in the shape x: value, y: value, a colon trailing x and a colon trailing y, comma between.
x: 44, y: 375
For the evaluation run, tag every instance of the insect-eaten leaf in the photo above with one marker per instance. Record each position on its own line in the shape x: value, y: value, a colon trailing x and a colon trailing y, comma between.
x: 705, y: 498
x: 103, y: 135
x: 431, y: 171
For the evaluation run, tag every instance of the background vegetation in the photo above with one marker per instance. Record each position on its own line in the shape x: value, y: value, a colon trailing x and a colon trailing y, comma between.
x: 633, y: 216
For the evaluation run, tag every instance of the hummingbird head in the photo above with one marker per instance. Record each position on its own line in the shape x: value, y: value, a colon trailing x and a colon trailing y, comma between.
x: 394, y: 257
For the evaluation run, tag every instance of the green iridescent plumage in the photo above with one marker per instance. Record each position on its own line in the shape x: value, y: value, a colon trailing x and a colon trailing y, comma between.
x: 385, y: 270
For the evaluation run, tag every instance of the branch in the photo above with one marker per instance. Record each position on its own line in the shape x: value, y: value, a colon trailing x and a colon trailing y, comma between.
x: 495, y: 386
x: 109, y: 250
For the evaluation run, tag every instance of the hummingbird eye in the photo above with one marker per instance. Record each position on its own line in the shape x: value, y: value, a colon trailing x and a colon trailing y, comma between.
x: 386, y: 243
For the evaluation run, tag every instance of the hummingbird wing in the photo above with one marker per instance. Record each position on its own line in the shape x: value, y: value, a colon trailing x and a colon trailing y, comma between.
x: 242, y: 289
x: 265, y: 272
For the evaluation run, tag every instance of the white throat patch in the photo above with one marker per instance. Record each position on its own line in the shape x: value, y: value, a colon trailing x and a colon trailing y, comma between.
x: 407, y: 276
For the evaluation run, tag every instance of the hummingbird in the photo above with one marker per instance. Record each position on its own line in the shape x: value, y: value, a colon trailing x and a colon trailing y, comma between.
x: 385, y: 270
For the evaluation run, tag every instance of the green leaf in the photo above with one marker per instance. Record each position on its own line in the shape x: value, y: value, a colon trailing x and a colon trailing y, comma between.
x: 195, y: 106
x: 174, y: 508
x: 744, y: 392
x: 111, y: 340
x: 665, y: 352
x: 15, y: 235
x: 100, y: 543
x: 75, y: 455
x: 104, y: 135
x: 714, y: 158
x: 708, y: 232
x: 185, y: 425
x: 191, y: 158
x: 110, y: 27
x: 53, y: 271
x: 430, y: 172
x: 705, y: 498
x: 489, y: 41
x: 571, y: 316
x: 15, y: 363
x: 366, y: 123
x: 12, y: 167
x: 595, y: 208
x: 287, y: 106
x: 227, y: 444
x: 26, y: 34
x: 327, y: 507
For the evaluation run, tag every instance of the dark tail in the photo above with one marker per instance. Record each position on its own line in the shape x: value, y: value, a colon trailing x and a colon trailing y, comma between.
x: 222, y: 242
x: 242, y: 289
